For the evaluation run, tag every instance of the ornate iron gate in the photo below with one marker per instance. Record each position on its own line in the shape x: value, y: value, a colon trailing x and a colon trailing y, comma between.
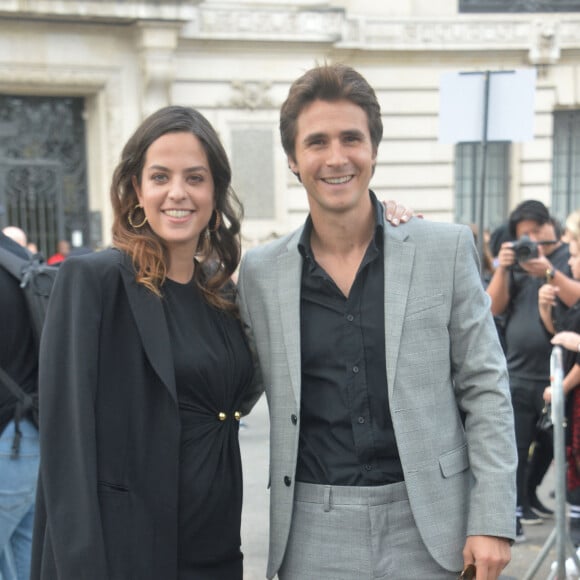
x: 31, y: 195
x: 43, y: 186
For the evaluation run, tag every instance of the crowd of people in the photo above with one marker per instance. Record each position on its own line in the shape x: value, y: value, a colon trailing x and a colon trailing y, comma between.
x: 536, y: 269
x: 399, y: 446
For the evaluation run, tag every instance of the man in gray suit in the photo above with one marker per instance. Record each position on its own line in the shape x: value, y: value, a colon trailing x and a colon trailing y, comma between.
x: 392, y: 450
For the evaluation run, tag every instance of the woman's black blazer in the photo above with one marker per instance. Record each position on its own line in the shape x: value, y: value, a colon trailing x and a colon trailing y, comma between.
x: 110, y: 432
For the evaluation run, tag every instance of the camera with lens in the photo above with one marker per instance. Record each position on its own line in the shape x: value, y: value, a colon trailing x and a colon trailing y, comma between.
x: 525, y: 249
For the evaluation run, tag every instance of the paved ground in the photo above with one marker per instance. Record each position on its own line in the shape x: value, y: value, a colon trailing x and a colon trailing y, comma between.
x: 254, y: 443
x: 524, y: 554
x: 255, y: 456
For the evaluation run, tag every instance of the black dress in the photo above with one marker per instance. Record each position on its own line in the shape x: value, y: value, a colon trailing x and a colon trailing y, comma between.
x: 212, y: 369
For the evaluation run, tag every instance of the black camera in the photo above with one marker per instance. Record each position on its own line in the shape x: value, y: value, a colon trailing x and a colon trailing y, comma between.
x: 525, y: 249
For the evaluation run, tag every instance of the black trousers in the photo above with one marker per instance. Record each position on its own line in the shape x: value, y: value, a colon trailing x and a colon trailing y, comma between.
x: 528, y: 402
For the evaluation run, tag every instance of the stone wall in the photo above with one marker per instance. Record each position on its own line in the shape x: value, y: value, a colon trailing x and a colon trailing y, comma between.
x: 235, y: 60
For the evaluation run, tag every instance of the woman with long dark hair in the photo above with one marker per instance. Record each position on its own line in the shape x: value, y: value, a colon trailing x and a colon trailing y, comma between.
x: 144, y: 373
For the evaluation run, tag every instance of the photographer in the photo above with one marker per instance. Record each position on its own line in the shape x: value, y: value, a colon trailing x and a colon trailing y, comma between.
x: 524, y: 265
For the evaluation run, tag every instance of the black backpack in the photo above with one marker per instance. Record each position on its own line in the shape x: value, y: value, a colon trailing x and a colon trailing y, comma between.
x: 36, y: 280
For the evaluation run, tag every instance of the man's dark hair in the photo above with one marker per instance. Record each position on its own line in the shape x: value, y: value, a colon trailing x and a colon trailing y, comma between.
x: 330, y: 82
x: 531, y: 210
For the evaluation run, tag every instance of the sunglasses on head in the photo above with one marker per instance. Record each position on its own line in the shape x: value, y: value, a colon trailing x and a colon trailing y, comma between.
x: 468, y: 573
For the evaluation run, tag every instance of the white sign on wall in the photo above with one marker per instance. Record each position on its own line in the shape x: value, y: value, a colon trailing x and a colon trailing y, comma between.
x: 510, y: 106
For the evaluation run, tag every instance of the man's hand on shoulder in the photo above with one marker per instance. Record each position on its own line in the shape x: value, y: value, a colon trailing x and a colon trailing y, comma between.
x: 489, y: 554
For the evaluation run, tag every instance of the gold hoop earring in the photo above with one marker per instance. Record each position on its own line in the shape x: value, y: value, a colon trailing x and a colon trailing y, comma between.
x: 218, y: 221
x: 130, y: 217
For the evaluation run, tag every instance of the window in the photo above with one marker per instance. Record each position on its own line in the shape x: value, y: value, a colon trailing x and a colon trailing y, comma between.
x: 468, y: 183
x: 565, y: 167
x: 519, y: 5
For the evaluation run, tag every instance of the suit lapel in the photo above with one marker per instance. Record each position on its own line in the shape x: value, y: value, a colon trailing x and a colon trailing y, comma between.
x: 399, y: 255
x: 150, y: 319
x: 288, y: 288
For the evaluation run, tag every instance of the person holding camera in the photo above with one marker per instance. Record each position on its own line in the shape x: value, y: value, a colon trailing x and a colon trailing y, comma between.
x: 537, y: 256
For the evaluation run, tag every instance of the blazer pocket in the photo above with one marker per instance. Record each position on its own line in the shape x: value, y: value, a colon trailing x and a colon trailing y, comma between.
x: 454, y: 461
x: 118, y: 529
x: 420, y: 304
x: 108, y: 487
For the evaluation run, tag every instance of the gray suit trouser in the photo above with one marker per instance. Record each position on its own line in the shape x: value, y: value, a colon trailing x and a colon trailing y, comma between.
x: 356, y: 533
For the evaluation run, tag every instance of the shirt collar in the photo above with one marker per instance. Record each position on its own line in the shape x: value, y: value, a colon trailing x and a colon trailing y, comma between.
x: 304, y: 243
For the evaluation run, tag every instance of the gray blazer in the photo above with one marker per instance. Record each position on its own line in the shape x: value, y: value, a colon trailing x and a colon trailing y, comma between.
x: 442, y: 356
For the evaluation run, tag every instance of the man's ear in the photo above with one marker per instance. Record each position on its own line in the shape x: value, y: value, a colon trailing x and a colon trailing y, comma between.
x: 292, y: 165
x: 294, y: 168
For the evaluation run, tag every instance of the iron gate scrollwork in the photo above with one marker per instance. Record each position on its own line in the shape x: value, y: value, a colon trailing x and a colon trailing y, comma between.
x: 31, y: 196
x: 43, y: 184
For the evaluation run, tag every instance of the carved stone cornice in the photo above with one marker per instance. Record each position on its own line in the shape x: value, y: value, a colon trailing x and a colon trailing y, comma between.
x: 543, y: 37
x: 100, y: 10
x: 451, y: 34
x: 75, y: 79
x: 456, y: 33
x: 282, y: 24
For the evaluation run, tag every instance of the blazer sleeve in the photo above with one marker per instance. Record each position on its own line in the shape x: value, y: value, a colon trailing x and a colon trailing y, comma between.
x: 67, y: 390
x: 482, y: 392
x: 256, y: 388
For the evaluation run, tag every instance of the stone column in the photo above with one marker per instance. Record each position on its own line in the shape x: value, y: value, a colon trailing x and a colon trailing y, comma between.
x: 157, y: 42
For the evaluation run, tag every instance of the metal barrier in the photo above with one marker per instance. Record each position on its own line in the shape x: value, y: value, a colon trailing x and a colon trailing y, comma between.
x: 559, y: 535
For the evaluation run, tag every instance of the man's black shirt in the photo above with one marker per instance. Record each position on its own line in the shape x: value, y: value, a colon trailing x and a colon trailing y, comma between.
x: 346, y: 435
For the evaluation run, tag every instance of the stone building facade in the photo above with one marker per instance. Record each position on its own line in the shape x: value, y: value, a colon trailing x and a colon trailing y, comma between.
x: 117, y: 61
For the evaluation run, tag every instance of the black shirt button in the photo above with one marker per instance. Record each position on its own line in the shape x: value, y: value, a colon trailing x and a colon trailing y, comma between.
x: 368, y: 467
x: 361, y: 420
x: 350, y: 317
x: 355, y: 369
x: 294, y: 419
x: 287, y: 481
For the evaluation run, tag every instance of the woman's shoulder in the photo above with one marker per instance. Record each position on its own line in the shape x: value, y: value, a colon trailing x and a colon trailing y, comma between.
x: 93, y: 267
x: 103, y: 259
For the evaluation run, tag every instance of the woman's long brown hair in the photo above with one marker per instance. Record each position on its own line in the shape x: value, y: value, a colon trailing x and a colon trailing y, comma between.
x: 220, y: 252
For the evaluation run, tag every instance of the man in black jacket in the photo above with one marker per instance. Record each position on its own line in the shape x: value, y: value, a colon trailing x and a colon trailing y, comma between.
x: 18, y: 459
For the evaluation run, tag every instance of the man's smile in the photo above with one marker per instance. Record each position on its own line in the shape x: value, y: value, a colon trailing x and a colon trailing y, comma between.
x: 337, y: 180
